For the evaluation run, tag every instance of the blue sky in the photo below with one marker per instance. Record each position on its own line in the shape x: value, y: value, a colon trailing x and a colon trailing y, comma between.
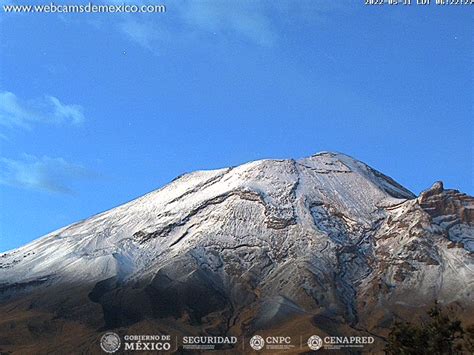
x: 97, y: 109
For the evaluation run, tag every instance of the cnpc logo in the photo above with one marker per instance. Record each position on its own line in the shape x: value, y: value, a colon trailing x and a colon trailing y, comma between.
x: 257, y: 342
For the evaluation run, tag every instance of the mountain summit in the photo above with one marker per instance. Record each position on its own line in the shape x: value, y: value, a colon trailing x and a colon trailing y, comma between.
x: 322, y: 245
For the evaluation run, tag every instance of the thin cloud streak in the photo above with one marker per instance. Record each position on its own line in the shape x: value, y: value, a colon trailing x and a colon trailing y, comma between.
x: 18, y: 113
x: 41, y: 173
x: 248, y: 19
x: 259, y: 23
x: 143, y: 33
x: 188, y: 20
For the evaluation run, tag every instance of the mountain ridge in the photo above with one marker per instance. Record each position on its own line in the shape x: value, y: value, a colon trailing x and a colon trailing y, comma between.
x: 324, y: 241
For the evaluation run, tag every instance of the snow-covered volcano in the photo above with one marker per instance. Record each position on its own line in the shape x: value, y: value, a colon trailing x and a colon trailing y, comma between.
x: 324, y: 244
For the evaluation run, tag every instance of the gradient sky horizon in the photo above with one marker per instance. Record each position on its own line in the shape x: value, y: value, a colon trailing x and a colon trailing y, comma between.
x: 98, y: 109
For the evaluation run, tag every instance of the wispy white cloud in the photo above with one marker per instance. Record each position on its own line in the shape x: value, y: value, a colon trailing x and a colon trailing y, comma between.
x: 245, y: 18
x: 259, y: 23
x: 143, y: 33
x: 18, y: 113
x: 41, y: 173
x: 188, y: 20
x: 66, y: 113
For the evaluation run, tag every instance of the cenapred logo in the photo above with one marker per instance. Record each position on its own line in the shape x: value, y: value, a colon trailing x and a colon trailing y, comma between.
x: 110, y: 342
x: 257, y: 342
x: 315, y: 342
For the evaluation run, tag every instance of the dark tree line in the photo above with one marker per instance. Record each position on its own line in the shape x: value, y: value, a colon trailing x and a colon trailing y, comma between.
x: 441, y: 335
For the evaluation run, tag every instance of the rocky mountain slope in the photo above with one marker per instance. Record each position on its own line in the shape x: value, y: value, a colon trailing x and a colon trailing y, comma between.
x: 323, y: 245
